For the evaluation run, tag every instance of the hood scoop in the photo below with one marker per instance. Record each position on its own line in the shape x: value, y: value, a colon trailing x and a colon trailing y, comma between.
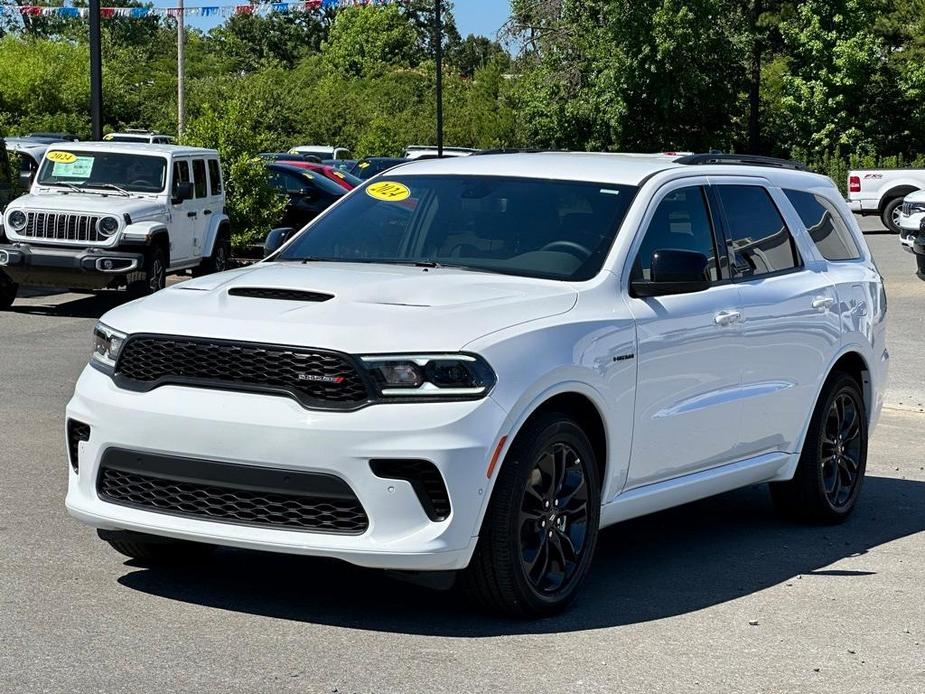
x: 279, y: 294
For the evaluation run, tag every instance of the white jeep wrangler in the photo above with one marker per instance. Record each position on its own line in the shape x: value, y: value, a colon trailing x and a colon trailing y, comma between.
x: 115, y: 215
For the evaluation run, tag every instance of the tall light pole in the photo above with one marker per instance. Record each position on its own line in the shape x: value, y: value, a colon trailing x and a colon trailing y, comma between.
x: 438, y: 31
x: 96, y: 73
x: 181, y: 59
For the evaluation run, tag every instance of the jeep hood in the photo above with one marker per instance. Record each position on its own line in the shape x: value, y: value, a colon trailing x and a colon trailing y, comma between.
x: 373, y: 308
x: 91, y: 203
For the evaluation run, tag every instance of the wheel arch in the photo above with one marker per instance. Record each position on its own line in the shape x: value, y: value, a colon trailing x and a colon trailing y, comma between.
x: 897, y: 191
x: 219, y: 224
x: 580, y: 402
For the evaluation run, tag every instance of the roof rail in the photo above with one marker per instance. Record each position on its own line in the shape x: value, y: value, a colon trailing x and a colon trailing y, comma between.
x: 743, y: 160
x: 507, y: 151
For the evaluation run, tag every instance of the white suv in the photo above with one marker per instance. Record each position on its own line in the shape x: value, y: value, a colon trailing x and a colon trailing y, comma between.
x: 472, y: 365
x: 115, y: 214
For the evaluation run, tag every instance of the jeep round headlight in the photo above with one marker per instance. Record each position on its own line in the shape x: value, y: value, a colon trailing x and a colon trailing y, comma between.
x: 17, y: 220
x: 429, y: 376
x: 108, y: 226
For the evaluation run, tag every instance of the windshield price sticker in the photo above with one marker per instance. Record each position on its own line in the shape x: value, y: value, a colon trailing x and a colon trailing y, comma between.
x: 78, y: 167
x: 61, y: 157
x: 389, y: 191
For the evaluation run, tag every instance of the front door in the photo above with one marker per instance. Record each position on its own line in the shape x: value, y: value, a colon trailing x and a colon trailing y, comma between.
x: 689, y: 347
x: 183, y: 215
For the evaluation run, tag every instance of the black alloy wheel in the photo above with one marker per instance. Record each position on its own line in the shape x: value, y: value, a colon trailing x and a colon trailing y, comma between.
x: 554, y: 519
x: 829, y: 476
x: 540, y: 530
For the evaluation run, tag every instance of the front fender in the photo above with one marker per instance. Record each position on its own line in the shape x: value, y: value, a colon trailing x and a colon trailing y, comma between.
x: 141, y: 232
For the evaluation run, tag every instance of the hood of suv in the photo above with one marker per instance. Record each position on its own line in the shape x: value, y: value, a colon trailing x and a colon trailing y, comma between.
x: 353, y: 308
x: 90, y: 203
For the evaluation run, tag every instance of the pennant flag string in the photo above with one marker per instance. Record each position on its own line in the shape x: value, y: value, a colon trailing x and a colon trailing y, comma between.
x: 205, y: 11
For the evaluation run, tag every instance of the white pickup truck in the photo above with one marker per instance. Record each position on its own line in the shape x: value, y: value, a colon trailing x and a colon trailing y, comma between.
x: 881, y: 192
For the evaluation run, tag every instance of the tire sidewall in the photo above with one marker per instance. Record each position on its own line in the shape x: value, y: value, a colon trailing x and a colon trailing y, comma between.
x: 887, y: 216
x: 840, y: 384
x: 522, y: 459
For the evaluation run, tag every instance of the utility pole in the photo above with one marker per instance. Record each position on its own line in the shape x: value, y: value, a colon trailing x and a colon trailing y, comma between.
x: 96, y: 73
x: 439, y: 54
x: 181, y: 59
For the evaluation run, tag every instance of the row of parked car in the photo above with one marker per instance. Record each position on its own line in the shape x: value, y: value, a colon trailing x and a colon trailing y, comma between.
x: 135, y: 208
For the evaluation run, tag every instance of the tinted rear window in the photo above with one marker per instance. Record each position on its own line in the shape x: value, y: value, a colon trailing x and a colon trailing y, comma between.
x: 825, y: 226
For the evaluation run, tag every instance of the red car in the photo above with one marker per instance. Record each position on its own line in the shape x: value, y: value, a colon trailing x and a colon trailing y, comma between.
x: 342, y: 178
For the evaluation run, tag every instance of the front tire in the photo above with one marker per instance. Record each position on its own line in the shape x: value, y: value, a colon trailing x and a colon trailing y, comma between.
x: 154, y: 274
x: 890, y: 215
x: 831, y: 470
x: 541, y: 527
x: 151, y: 550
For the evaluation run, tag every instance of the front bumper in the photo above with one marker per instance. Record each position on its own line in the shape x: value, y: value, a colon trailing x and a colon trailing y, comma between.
x: 271, y: 431
x: 85, y: 268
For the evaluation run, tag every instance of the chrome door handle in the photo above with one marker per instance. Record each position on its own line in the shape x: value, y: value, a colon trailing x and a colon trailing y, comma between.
x: 727, y: 317
x: 822, y: 303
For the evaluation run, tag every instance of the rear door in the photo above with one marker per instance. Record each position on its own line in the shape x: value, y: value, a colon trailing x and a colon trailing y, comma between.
x: 790, y: 322
x: 689, y: 346
x: 200, y: 206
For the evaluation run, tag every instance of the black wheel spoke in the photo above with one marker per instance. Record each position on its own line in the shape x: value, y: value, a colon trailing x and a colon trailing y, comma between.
x: 840, y: 446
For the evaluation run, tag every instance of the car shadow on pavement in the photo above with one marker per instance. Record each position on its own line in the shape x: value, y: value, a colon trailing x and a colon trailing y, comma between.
x: 670, y: 563
x: 89, y: 306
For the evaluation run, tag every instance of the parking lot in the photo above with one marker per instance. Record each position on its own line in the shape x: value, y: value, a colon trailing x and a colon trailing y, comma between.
x: 717, y: 596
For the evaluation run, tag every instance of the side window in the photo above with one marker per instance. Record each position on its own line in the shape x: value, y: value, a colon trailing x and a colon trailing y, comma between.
x: 180, y: 174
x: 215, y: 177
x: 825, y: 225
x: 759, y: 241
x: 283, y: 182
x: 199, y: 177
x: 681, y: 222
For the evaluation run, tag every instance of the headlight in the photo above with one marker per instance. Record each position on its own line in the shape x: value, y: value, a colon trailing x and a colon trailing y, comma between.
x: 107, y: 343
x: 429, y: 376
x: 17, y: 220
x: 108, y: 226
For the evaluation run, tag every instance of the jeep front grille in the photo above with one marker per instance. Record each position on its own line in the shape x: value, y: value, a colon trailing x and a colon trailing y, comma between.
x: 316, y: 378
x: 54, y: 226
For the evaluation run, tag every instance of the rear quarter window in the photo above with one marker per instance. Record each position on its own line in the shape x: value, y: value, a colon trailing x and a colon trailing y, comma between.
x: 825, y: 225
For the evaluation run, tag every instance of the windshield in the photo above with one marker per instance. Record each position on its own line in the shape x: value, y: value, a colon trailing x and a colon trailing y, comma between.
x: 521, y: 226
x: 130, y: 172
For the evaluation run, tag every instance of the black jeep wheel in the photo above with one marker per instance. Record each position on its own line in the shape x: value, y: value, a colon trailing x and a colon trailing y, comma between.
x: 154, y: 274
x: 219, y: 261
x: 828, y: 479
x: 541, y: 527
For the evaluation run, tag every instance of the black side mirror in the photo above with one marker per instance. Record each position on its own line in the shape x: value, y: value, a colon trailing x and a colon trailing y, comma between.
x: 674, y: 271
x: 275, y: 240
x: 183, y: 192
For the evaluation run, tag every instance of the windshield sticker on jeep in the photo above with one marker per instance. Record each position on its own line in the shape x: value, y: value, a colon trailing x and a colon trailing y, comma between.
x: 61, y: 157
x: 77, y: 167
x: 389, y: 191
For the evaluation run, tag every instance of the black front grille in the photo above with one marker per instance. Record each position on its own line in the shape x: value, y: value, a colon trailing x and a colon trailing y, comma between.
x: 425, y: 479
x: 314, y: 377
x: 279, y: 294
x: 62, y: 226
x: 76, y: 432
x: 228, y: 493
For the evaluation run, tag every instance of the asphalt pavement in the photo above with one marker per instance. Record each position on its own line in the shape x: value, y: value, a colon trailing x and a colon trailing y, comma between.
x: 717, y: 596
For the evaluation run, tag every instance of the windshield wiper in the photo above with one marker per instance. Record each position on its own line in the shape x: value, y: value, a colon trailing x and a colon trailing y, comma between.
x: 113, y: 186
x: 72, y: 186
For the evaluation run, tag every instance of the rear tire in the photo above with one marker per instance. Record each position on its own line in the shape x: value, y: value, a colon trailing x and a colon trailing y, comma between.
x: 890, y: 215
x: 154, y: 274
x: 218, y: 261
x: 831, y: 470
x: 152, y: 550
x: 540, y: 530
x: 8, y: 292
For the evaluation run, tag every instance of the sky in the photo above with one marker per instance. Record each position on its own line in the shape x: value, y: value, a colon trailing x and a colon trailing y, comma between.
x: 472, y: 16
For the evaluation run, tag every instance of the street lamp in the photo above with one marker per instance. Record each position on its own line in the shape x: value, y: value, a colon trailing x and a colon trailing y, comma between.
x: 439, y: 55
x: 96, y: 73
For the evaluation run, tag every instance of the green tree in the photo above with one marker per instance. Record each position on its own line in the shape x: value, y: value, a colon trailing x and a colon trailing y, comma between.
x: 365, y: 40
